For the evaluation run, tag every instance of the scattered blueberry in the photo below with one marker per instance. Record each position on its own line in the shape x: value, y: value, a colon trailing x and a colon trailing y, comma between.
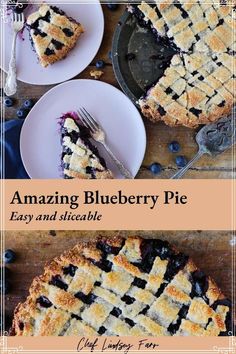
x: 155, y: 168
x: 130, y: 56
x: 9, y: 256
x: 112, y: 6
x: 8, y: 102
x: 174, y: 146
x: 100, y: 64
x: 181, y: 161
x: 21, y: 113
x: 28, y: 104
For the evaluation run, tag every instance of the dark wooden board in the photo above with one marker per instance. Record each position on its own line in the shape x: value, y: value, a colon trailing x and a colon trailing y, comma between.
x: 211, y: 252
x: 158, y: 135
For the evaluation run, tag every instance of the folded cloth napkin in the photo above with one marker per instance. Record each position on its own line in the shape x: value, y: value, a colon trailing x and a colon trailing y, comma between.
x: 10, y: 142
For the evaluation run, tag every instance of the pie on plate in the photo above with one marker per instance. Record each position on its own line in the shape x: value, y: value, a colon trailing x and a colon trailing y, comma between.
x: 53, y: 33
x: 119, y: 287
x: 198, y: 85
x: 80, y: 158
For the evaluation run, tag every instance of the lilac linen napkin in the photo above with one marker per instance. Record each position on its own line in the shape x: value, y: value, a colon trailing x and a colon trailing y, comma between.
x: 13, y: 167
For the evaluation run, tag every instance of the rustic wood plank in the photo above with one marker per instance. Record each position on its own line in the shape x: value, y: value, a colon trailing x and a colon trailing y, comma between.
x: 158, y: 135
x: 211, y: 252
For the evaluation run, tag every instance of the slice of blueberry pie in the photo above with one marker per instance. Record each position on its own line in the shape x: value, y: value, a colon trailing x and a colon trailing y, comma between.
x: 53, y: 34
x: 120, y: 287
x: 80, y: 158
x: 198, y: 87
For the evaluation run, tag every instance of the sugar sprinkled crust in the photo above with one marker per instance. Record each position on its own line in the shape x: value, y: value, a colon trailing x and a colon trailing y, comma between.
x: 80, y: 159
x: 53, y: 34
x: 198, y: 85
x: 116, y: 286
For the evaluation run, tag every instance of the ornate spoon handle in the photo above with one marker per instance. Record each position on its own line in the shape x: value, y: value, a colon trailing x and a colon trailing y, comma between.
x: 11, y: 83
x: 121, y: 167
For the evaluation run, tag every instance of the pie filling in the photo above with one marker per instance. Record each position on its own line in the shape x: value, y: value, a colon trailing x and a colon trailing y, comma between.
x: 121, y: 287
x: 197, y: 85
x: 53, y: 34
x: 80, y: 158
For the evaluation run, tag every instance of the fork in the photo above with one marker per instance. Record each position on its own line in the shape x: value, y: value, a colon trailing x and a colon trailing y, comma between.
x: 11, y: 84
x: 99, y: 135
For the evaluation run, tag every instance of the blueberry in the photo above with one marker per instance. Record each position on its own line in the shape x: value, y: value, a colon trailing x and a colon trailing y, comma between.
x: 5, y: 286
x: 181, y: 161
x: 8, y: 102
x: 112, y: 6
x: 155, y: 168
x: 28, y: 104
x: 174, y: 146
x: 100, y: 64
x: 21, y: 113
x: 9, y: 256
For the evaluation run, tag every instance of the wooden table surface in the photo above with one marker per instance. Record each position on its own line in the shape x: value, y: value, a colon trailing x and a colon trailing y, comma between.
x: 211, y: 252
x: 158, y: 135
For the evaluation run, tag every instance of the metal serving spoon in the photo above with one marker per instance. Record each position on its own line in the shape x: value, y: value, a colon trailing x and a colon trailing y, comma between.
x: 213, y: 139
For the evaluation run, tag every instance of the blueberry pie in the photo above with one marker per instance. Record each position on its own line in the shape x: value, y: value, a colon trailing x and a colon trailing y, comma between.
x: 120, y: 287
x: 80, y: 158
x: 198, y: 85
x: 52, y: 33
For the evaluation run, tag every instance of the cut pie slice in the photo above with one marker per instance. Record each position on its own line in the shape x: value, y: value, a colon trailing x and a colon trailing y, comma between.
x: 80, y: 158
x: 123, y: 287
x: 53, y: 33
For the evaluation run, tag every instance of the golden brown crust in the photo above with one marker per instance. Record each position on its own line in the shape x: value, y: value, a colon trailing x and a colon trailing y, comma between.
x: 77, y: 295
x: 47, y: 32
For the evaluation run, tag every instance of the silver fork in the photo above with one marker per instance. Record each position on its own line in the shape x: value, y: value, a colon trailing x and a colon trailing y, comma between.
x: 11, y: 84
x: 99, y: 135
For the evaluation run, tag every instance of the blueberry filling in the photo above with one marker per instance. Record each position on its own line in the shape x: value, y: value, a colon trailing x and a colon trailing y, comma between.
x: 222, y: 104
x: 103, y: 265
x: 161, y: 111
x: 21, y: 326
x: 175, y: 96
x: 43, y: 301
x: 130, y: 322
x: 106, y: 248
x: 144, y: 311
x: 78, y: 318
x: 68, y: 32
x: 87, y: 299
x: 58, y: 45
x: 161, y: 289
x: 176, y: 263
x: 199, y: 284
x: 201, y: 78
x: 70, y: 270
x: 58, y: 282
x: 128, y: 299
x: 97, y: 283
x: 102, y: 330
x: 45, y: 18
x: 49, y: 52
x: 116, y: 312
x: 37, y: 32
x: 173, y: 327
x: 140, y: 283
x: 195, y: 111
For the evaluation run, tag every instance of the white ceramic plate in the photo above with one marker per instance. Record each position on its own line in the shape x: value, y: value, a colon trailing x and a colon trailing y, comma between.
x: 40, y: 137
x: 28, y: 68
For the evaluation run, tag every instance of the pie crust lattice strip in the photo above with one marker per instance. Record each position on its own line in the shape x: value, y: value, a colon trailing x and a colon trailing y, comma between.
x: 119, y: 287
x: 199, y: 85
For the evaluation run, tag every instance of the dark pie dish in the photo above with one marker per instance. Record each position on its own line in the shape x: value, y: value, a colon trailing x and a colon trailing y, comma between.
x: 120, y: 287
